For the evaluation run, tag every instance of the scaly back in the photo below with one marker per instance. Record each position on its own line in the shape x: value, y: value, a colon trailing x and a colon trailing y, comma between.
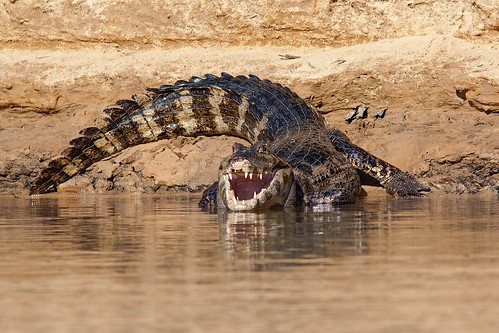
x: 246, y: 107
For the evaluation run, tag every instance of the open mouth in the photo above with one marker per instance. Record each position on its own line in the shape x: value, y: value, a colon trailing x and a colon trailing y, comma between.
x: 247, y: 185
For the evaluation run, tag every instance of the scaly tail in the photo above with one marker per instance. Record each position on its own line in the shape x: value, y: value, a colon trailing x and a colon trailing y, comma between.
x: 197, y: 107
x: 109, y: 136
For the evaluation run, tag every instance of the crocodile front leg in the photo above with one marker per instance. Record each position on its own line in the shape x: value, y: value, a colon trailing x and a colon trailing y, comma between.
x: 330, y: 196
x: 209, y: 198
x: 374, y: 171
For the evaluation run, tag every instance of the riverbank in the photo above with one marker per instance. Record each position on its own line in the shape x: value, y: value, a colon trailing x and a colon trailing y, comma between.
x: 440, y: 91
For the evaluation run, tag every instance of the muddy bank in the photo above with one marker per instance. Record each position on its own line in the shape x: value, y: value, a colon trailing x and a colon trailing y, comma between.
x: 440, y: 91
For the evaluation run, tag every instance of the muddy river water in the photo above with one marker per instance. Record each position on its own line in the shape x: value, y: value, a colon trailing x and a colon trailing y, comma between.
x: 155, y: 263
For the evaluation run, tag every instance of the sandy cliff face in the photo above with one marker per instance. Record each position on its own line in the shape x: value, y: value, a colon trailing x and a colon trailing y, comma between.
x: 434, y: 65
x: 250, y: 22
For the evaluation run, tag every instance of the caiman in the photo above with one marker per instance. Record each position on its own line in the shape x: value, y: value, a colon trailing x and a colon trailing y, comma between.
x: 294, y: 157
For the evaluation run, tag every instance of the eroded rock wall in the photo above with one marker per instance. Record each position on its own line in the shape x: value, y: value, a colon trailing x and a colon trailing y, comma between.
x: 249, y: 22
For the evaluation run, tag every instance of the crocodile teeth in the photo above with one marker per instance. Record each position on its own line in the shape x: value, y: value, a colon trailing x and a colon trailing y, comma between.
x: 247, y: 175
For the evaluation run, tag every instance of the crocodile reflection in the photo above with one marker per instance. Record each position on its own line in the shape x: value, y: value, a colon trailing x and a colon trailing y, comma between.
x: 278, y: 238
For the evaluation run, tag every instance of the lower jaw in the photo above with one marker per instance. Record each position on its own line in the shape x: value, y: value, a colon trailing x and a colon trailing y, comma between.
x: 241, y: 205
x: 251, y: 204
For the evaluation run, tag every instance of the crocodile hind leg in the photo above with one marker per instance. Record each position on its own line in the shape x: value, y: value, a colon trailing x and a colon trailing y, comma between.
x: 374, y: 171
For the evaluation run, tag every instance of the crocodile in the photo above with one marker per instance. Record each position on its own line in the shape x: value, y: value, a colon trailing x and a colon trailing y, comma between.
x: 294, y: 158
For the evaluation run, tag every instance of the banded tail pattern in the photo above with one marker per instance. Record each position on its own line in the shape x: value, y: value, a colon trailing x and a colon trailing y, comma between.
x: 246, y: 107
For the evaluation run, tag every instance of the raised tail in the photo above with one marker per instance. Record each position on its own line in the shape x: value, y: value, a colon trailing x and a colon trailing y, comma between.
x: 188, y: 108
x: 109, y: 136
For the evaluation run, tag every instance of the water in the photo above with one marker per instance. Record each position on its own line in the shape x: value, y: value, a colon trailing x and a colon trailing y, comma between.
x: 155, y: 263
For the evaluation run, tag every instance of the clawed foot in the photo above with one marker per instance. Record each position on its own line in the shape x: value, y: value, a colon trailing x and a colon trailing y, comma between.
x: 404, y: 184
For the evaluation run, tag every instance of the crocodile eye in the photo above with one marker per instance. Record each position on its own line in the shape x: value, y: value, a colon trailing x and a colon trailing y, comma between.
x: 262, y: 149
x: 237, y: 147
